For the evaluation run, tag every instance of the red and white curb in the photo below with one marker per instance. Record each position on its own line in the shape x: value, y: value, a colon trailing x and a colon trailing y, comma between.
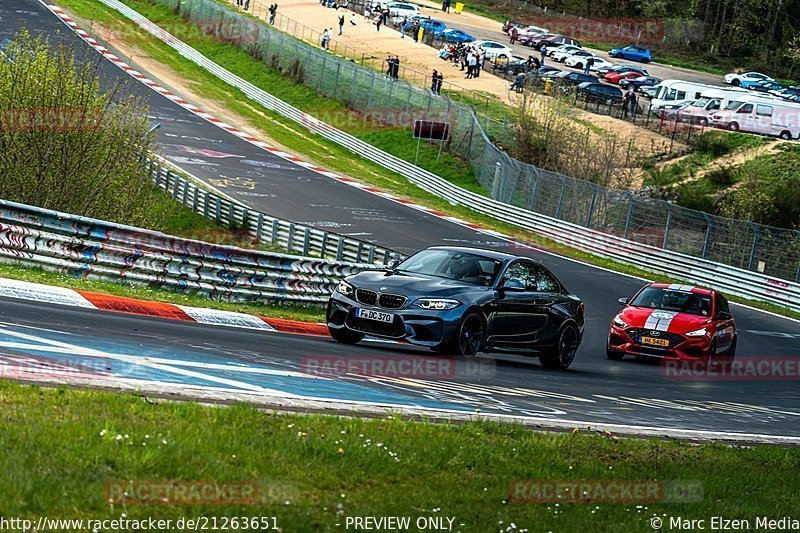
x: 23, y: 290
x: 246, y: 136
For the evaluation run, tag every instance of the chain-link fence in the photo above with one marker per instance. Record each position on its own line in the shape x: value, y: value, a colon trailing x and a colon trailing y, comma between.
x: 734, y: 242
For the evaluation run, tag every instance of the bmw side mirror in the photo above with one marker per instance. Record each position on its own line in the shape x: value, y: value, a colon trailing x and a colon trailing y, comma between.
x: 623, y: 301
x: 513, y: 285
x: 393, y: 264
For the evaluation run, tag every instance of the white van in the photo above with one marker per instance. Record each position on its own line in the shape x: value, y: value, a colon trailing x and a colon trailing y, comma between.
x: 710, y: 101
x: 759, y: 114
x: 676, y: 92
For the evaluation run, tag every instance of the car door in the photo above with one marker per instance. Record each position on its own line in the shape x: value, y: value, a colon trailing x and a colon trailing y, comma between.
x: 517, y: 317
x: 724, y: 327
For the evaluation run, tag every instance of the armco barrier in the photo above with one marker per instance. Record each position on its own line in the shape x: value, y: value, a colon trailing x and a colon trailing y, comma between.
x: 733, y: 280
x: 294, y: 238
x: 94, y: 248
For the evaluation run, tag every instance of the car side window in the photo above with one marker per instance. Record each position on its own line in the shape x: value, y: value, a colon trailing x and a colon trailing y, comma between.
x: 545, y: 282
x: 722, y: 304
x: 524, y: 272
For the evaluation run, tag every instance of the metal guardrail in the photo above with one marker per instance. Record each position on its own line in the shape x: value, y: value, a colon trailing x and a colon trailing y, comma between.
x: 278, y: 233
x: 660, y: 260
x: 93, y: 248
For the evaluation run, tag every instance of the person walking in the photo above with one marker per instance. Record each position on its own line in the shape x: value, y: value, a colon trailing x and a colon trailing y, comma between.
x: 588, y: 67
x: 341, y: 24
x: 514, y: 34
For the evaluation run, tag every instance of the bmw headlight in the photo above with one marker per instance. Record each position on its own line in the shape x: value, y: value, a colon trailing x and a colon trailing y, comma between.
x: 697, y: 333
x: 345, y: 288
x: 619, y: 322
x: 437, y: 304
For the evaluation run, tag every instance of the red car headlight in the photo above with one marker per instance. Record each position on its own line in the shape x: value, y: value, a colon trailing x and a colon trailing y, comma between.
x: 702, y: 332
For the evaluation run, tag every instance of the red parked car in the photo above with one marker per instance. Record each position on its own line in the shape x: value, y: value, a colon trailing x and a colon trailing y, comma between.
x: 673, y: 321
x: 616, y: 77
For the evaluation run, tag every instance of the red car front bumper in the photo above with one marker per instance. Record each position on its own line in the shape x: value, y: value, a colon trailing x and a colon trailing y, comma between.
x: 628, y: 341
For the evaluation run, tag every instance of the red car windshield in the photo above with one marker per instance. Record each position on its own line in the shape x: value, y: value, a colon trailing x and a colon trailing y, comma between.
x: 672, y: 300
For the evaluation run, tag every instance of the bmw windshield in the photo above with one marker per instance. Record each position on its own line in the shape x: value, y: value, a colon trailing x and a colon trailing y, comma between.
x: 671, y: 300
x: 450, y: 264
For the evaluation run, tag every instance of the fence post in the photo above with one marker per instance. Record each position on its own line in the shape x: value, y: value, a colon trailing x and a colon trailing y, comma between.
x: 353, y: 85
x: 630, y: 214
x: 669, y: 223
x: 358, y: 252
x: 290, y: 240
x: 371, y: 255
x: 322, y: 72
x: 371, y: 88
x: 707, y: 240
x: 324, y: 246
x: 336, y: 82
x: 340, y: 249
x: 306, y: 241
x: 563, y: 194
x: 275, y: 228
x: 218, y: 209
x: 754, y: 249
x: 591, y: 205
x: 260, y: 227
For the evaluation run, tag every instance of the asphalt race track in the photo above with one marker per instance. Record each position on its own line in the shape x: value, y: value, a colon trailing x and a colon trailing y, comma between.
x: 594, y: 389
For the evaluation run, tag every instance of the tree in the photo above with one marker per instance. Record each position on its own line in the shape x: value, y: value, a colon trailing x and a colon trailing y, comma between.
x: 66, y: 142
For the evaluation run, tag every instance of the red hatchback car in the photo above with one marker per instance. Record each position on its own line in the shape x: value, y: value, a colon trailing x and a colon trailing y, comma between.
x: 616, y: 77
x: 673, y: 321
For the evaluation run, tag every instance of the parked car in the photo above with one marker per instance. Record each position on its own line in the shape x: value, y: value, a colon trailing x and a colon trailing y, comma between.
x: 494, y: 50
x: 399, y: 10
x: 735, y: 78
x: 620, y: 68
x: 530, y: 39
x: 641, y: 81
x: 512, y: 24
x: 461, y: 301
x: 514, y: 66
x: 672, y: 111
x: 632, y: 53
x: 453, y: 35
x: 531, y: 31
x: 600, y: 92
x: 758, y: 114
x: 547, y: 71
x: 560, y: 53
x: 787, y: 92
x: 673, y: 321
x: 432, y: 25
x: 615, y: 77
x: 570, y: 79
x: 646, y: 91
x: 766, y: 86
x: 578, y: 60
x: 558, y: 40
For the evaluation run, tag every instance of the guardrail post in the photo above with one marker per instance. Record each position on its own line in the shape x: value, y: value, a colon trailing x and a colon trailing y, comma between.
x: 218, y: 209
x: 630, y: 214
x: 275, y: 228
x: 195, y: 198
x: 205, y: 205
x: 669, y: 223
x: 563, y: 194
x: 175, y: 189
x: 185, y: 192
x: 707, y: 240
x: 260, y: 227
x: 306, y: 241
x: 340, y: 249
x: 324, y: 246
x: 591, y: 206
x: 371, y: 255
x: 754, y: 249
x: 358, y: 252
x: 290, y: 240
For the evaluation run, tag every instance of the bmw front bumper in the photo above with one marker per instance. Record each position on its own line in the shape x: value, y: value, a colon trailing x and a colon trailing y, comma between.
x: 418, y: 326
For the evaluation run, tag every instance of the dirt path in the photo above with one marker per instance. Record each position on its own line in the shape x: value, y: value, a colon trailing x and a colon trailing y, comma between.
x: 733, y: 160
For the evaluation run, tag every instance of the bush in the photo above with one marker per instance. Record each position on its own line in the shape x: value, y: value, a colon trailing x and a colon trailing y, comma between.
x: 65, y: 143
x: 722, y: 177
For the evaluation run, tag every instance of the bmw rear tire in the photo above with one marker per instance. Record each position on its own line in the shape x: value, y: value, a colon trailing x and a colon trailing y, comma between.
x: 563, y: 353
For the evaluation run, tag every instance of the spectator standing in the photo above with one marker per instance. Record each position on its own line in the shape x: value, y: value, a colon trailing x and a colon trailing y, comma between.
x: 367, y: 13
x: 246, y: 5
x: 239, y: 3
x: 341, y: 24
x: 378, y: 21
x: 589, y: 63
x: 632, y: 101
x: 434, y: 80
x: 326, y: 37
x: 519, y: 82
x: 385, y: 14
x: 481, y: 57
x: 273, y: 9
x: 396, y: 71
x: 389, y: 66
x: 472, y: 62
x: 446, y: 8
x: 415, y: 30
x: 439, y: 82
x: 514, y: 34
x: 403, y: 26
x: 626, y: 101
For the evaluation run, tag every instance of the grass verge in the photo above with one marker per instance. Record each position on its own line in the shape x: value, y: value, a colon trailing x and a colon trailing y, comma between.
x: 314, y: 471
x: 47, y: 277
x: 295, y: 138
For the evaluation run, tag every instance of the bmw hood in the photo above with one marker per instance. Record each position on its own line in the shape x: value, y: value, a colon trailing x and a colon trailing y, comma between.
x: 410, y: 284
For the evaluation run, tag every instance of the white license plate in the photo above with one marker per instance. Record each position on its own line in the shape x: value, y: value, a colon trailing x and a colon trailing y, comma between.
x: 379, y: 316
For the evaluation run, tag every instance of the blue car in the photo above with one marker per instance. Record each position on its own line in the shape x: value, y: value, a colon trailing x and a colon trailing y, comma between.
x: 461, y: 301
x: 432, y: 25
x: 765, y: 86
x: 632, y: 53
x: 452, y: 35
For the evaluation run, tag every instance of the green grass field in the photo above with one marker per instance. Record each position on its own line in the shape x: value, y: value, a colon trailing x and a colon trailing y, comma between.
x: 312, y: 472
